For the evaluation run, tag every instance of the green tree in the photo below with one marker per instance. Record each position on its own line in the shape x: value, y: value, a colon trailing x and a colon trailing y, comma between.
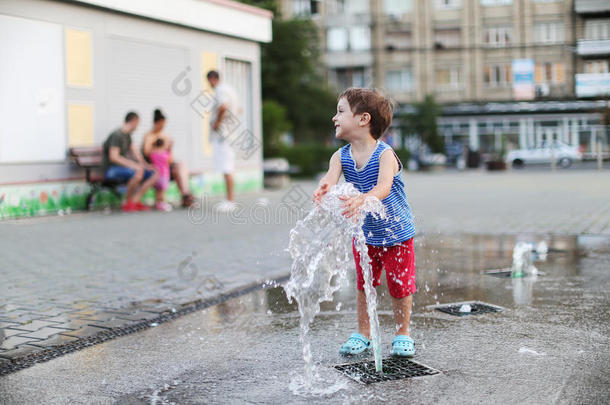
x: 290, y: 76
x: 270, y: 5
x: 275, y: 123
x: 423, y: 122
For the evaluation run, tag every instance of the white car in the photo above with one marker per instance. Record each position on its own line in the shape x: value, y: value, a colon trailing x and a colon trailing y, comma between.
x: 564, y: 155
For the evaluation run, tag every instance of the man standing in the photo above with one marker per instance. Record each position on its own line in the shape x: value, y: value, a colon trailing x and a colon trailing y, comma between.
x: 124, y: 163
x: 225, y: 109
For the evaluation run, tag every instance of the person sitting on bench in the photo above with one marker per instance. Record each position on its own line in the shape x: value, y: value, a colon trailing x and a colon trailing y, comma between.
x: 123, y: 163
x: 178, y: 170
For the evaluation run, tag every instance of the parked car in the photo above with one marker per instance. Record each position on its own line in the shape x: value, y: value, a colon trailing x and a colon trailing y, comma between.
x: 565, y: 155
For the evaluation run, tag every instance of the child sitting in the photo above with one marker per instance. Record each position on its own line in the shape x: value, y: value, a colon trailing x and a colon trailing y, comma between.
x: 160, y: 158
x: 372, y: 166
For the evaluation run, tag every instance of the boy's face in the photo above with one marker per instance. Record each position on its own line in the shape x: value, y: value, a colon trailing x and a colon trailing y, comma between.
x: 132, y: 125
x: 213, y: 82
x: 345, y: 122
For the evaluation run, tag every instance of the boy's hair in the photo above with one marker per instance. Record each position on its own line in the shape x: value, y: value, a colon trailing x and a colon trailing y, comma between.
x: 372, y: 102
x: 213, y: 74
x: 130, y: 116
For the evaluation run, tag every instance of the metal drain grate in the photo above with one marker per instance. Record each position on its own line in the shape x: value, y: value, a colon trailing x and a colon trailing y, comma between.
x: 393, y: 369
x: 53, y: 352
x: 476, y: 308
x: 500, y: 273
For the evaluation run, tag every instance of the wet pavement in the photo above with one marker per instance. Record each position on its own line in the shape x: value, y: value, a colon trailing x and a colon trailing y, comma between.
x: 73, y: 277
x: 548, y: 345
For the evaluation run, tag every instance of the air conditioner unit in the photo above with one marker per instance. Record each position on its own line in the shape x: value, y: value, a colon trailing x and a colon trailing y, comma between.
x: 542, y: 90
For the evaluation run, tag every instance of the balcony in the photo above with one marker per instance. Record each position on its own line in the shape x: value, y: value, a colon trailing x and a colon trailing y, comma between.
x: 345, y: 59
x: 592, y: 47
x: 592, y: 84
x: 591, y: 6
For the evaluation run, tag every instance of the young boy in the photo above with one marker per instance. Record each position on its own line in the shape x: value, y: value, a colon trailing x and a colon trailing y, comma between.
x: 374, y: 169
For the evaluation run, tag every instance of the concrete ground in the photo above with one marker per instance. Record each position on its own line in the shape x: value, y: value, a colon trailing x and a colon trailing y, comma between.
x: 69, y: 277
x: 547, y: 345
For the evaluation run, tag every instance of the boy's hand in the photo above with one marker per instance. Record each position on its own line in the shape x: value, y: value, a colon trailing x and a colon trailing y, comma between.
x: 319, y: 193
x: 352, y: 205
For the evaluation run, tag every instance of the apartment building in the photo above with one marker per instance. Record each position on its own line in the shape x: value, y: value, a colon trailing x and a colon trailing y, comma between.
x: 499, y: 67
x: 592, y: 48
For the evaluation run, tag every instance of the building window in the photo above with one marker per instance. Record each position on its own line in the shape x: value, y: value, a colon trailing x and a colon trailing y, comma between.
x: 548, y: 32
x: 597, y: 29
x: 448, y: 4
x: 448, y: 78
x: 305, y: 8
x: 334, y: 7
x: 397, y: 8
x: 399, y: 80
x: 398, y: 40
x: 350, y: 77
x: 360, y: 38
x: 597, y: 66
x: 498, y: 75
x: 549, y: 73
x: 336, y: 39
x: 357, y: 38
x: 446, y: 38
x: 498, y: 36
x: 496, y: 2
x: 356, y: 7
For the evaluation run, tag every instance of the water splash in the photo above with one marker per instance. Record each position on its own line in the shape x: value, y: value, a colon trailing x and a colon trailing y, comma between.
x: 522, y: 260
x: 321, y: 250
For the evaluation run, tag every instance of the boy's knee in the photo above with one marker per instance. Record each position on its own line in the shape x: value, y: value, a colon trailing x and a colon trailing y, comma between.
x: 138, y: 173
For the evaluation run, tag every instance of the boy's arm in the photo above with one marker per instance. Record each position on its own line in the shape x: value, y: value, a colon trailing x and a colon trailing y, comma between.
x: 136, y: 153
x: 330, y: 178
x: 388, y: 168
x: 114, y: 155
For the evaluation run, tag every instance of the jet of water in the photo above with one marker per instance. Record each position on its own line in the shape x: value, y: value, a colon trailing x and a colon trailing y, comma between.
x: 522, y: 260
x: 321, y: 249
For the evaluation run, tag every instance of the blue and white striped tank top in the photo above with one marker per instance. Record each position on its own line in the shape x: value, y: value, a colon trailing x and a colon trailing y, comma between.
x: 398, y: 225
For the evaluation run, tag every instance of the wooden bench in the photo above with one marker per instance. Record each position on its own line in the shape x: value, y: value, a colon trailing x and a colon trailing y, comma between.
x: 90, y: 159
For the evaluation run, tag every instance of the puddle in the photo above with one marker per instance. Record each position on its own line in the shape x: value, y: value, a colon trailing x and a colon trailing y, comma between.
x: 552, y: 330
x: 494, y: 344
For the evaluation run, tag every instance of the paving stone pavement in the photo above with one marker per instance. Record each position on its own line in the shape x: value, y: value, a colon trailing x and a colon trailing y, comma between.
x: 70, y: 277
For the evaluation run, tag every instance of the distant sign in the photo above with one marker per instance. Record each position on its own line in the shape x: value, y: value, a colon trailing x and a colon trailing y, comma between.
x: 592, y: 84
x: 523, y: 79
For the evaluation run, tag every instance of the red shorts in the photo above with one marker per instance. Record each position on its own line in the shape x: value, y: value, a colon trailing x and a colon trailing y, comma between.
x: 399, y: 264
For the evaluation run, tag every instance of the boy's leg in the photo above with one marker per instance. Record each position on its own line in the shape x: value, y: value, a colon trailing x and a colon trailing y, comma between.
x: 364, y: 325
x: 229, y: 185
x: 125, y: 174
x: 150, y: 177
x: 132, y: 184
x: 399, y: 262
x: 402, y: 314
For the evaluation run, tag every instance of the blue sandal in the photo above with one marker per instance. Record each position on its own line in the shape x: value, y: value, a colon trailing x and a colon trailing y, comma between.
x: 403, y: 346
x: 356, y: 344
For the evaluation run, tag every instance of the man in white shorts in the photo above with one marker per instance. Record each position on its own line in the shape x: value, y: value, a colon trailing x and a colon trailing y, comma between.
x: 225, y: 109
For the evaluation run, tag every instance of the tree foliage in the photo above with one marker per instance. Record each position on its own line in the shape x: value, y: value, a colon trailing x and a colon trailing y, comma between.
x: 423, y: 123
x: 291, y: 77
x: 275, y: 123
